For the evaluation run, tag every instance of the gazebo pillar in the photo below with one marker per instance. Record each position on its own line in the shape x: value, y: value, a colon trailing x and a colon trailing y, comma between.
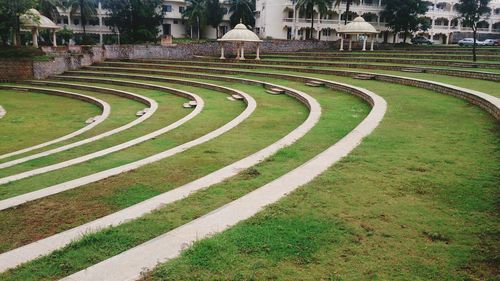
x: 341, y: 42
x: 257, y: 55
x: 238, y: 49
x: 34, y: 37
x: 242, y: 57
x: 350, y: 44
x: 373, y: 41
x: 54, y: 38
x: 364, y: 43
x: 222, y: 57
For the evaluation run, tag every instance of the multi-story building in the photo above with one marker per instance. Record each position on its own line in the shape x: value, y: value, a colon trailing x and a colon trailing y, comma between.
x: 279, y: 19
x: 172, y: 24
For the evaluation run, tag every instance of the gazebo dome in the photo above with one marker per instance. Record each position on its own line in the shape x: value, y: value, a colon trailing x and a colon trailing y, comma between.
x: 33, y: 19
x: 240, y: 33
x: 358, y: 26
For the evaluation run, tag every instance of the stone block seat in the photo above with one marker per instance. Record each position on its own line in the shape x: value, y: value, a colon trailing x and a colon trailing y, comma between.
x: 362, y: 76
x: 315, y: 83
x: 275, y: 91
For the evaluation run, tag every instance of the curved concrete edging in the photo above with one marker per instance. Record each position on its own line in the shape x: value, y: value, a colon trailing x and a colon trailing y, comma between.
x: 51, y: 190
x: 104, y: 106
x: 45, y: 246
x: 130, y: 264
x: 152, y: 104
x: 489, y: 103
x: 108, y: 150
x: 2, y: 112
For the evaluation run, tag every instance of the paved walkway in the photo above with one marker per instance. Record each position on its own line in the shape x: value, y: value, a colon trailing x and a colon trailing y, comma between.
x: 52, y: 243
x: 152, y: 104
x: 21, y: 199
x: 106, y: 109
x: 129, y: 264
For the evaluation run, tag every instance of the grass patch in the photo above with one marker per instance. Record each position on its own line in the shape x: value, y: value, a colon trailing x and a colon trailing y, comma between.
x: 334, y: 124
x: 34, y: 118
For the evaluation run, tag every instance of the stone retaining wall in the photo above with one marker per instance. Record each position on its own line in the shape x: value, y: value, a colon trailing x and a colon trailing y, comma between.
x: 15, y: 69
x: 75, y: 57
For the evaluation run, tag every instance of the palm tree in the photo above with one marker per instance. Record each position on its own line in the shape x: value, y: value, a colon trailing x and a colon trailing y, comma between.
x: 347, y: 7
x: 214, y: 15
x: 195, y: 13
x: 242, y: 11
x: 50, y: 8
x: 86, y: 8
x: 308, y: 5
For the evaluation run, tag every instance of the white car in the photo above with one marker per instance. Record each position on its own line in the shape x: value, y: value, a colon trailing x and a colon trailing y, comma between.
x: 470, y: 42
x: 491, y: 42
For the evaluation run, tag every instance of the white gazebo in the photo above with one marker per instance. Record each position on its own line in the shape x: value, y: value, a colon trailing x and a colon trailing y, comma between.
x: 34, y: 21
x: 239, y: 35
x: 358, y: 27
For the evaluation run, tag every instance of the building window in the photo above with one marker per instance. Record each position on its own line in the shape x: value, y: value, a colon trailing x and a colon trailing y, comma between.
x: 167, y: 8
x: 176, y: 22
x: 327, y: 32
x: 182, y: 9
x: 76, y: 21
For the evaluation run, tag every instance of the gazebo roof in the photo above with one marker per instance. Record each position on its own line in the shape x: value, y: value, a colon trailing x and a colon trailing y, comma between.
x: 358, y: 26
x: 33, y: 18
x: 240, y: 33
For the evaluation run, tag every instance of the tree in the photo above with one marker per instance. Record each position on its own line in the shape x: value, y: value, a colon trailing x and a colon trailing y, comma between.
x: 242, y: 11
x: 347, y: 7
x: 195, y: 15
x: 50, y: 8
x: 86, y: 8
x: 137, y: 21
x: 405, y: 16
x: 10, y: 11
x: 308, y: 6
x: 471, y: 12
x: 214, y: 15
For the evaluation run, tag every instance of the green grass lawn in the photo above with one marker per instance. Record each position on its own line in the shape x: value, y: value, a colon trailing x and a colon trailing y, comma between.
x: 169, y: 110
x: 122, y: 112
x: 217, y: 109
x: 54, y: 214
x: 412, y: 203
x: 34, y: 118
x: 341, y: 112
x: 415, y: 201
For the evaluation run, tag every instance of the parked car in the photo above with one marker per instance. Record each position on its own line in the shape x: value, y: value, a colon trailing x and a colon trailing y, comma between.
x: 469, y: 42
x: 492, y: 42
x: 420, y: 40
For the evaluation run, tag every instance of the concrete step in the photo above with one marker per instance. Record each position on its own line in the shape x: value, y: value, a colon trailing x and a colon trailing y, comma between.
x: 414, y: 70
x: 314, y: 83
x: 364, y: 76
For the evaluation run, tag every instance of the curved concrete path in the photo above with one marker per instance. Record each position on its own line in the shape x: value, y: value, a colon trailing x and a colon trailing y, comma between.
x: 106, y: 110
x: 44, y: 192
x: 2, y: 112
x: 130, y: 264
x: 46, y: 246
x: 483, y: 100
x: 152, y: 104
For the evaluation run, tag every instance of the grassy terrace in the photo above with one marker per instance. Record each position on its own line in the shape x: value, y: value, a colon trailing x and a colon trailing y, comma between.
x: 341, y: 113
x: 400, y: 218
x: 129, y: 188
x: 217, y: 109
x: 49, y: 117
x: 415, y: 201
x: 122, y: 112
x: 169, y: 110
x: 489, y: 87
